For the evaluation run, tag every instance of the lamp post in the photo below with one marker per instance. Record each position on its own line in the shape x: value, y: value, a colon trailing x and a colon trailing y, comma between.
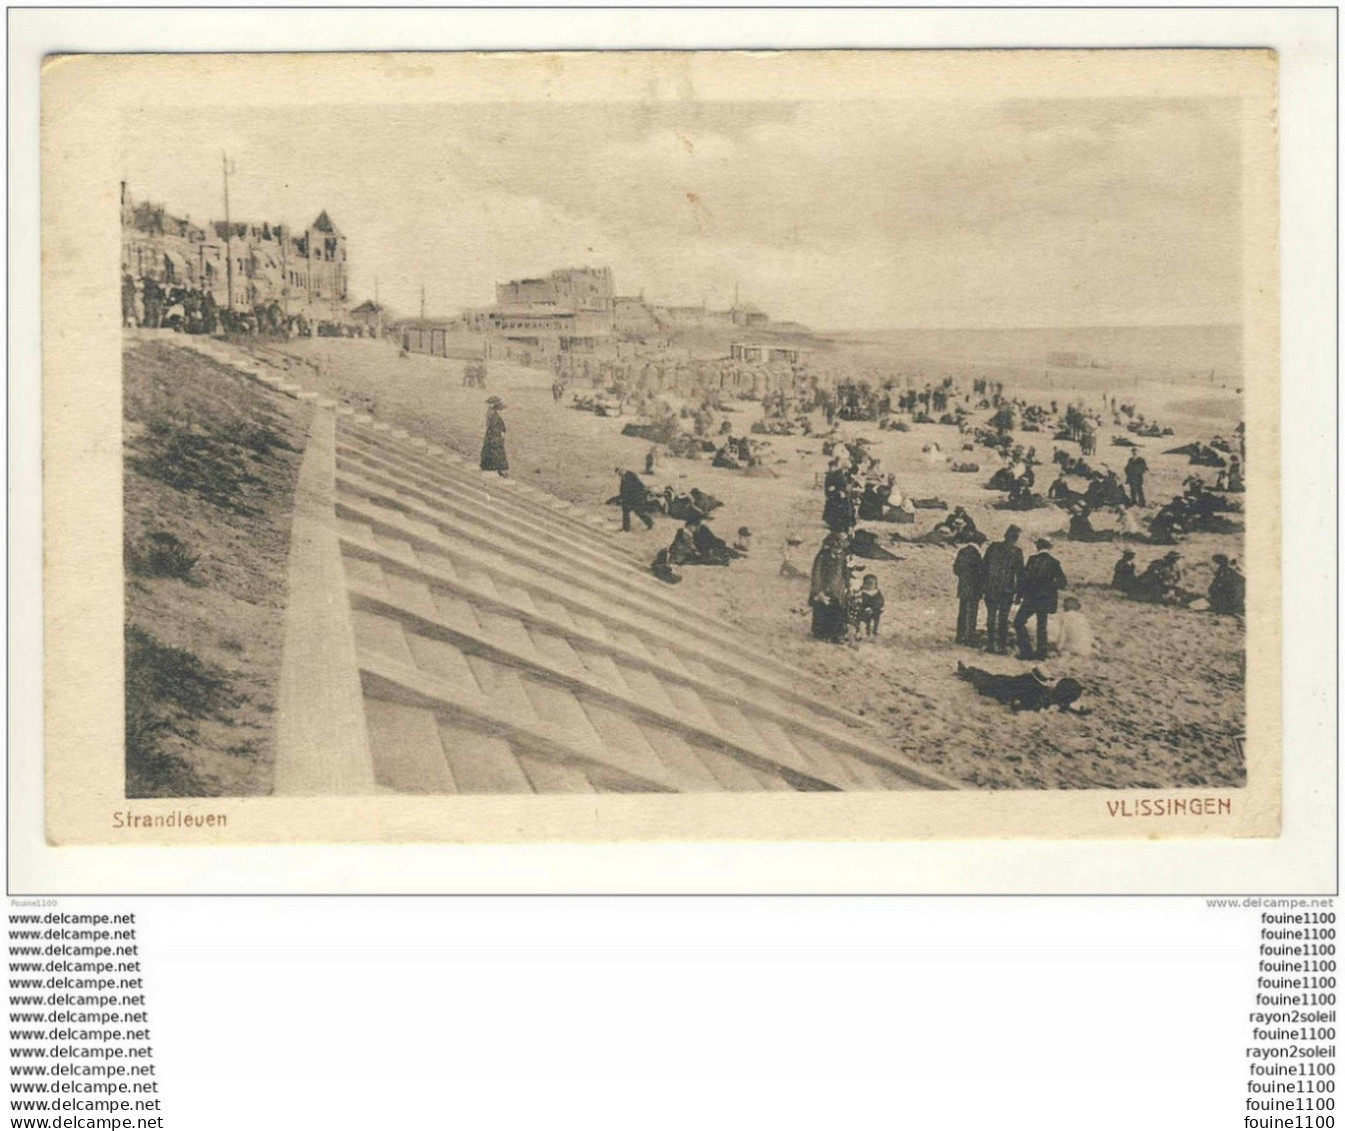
x: 228, y: 238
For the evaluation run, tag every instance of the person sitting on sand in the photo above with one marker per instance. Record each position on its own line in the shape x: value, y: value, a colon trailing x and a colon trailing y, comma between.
x: 1123, y: 573
x: 1228, y: 589
x: 1030, y: 691
x: 711, y: 549
x: 870, y: 506
x: 961, y: 524
x: 1070, y: 632
x: 1021, y: 491
x: 1060, y: 491
x: 696, y: 544
x: 1161, y: 581
x: 743, y: 543
x: 663, y: 568
x: 723, y: 458
x: 882, y: 493
x: 1081, y: 526
x: 1169, y: 522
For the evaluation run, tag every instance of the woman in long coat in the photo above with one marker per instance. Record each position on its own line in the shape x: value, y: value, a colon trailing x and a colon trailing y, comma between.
x: 830, y: 589
x: 493, y: 457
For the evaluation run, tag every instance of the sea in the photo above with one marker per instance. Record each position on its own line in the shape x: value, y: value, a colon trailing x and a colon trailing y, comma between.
x: 1188, y: 370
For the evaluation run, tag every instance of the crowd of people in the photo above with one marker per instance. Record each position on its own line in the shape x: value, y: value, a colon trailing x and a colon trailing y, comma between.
x: 474, y: 374
x: 155, y: 305
x: 1028, y: 611
x: 1163, y: 582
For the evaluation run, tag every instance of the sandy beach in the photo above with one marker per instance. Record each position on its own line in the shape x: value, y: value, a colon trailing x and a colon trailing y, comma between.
x: 1165, y: 685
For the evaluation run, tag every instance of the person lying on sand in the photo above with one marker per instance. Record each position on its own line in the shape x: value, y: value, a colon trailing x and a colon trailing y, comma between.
x: 865, y: 544
x: 937, y: 535
x: 1030, y: 691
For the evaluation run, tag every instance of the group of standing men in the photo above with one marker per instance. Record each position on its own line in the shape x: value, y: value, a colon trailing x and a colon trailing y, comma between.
x: 1002, y: 579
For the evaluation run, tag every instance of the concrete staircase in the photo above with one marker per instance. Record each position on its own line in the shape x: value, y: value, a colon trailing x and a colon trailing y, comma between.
x: 504, y: 641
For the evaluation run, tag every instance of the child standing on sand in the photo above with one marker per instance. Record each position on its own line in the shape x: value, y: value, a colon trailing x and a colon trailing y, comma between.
x: 869, y: 606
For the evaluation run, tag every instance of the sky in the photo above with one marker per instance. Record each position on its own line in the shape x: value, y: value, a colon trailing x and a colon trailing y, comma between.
x: 862, y: 215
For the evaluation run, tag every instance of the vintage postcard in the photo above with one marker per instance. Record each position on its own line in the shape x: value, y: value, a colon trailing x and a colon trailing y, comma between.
x: 661, y: 446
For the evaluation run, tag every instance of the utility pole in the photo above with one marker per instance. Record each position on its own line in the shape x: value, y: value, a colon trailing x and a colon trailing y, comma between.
x: 422, y: 303
x: 378, y: 309
x: 228, y: 237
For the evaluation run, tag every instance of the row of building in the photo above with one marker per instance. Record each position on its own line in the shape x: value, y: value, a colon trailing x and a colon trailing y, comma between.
x: 242, y: 265
x: 571, y: 310
x: 247, y: 265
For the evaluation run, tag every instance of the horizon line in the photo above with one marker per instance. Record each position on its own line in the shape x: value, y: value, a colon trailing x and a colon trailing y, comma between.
x: 1057, y: 326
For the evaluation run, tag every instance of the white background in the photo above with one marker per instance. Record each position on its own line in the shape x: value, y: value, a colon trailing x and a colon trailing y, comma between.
x: 742, y: 1013
x: 1302, y: 859
x: 629, y: 1013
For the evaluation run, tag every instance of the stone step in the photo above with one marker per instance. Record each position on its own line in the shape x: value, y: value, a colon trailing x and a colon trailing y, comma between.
x: 408, y: 752
x: 508, y: 633
x: 413, y: 594
x: 366, y: 573
x: 443, y: 659
x: 505, y: 689
x: 457, y: 612
x: 556, y: 651
x: 645, y: 686
x: 430, y: 475
x: 548, y: 776
x: 481, y: 763
x: 679, y: 756
x: 511, y: 635
x: 604, y: 671
x: 380, y: 634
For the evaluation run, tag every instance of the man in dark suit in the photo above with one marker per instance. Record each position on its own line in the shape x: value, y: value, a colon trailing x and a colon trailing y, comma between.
x: 1003, y: 566
x: 1039, y: 590
x: 634, y: 498
x: 1136, y: 469
x: 970, y: 572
